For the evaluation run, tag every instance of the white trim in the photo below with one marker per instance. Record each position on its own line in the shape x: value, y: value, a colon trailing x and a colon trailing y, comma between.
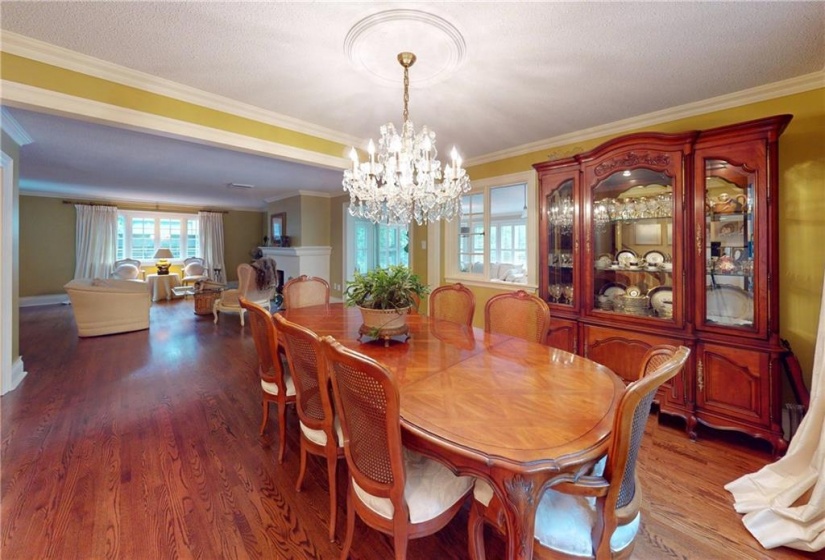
x: 305, y: 251
x: 434, y: 254
x: 7, y: 369
x: 14, y: 129
x: 37, y: 301
x: 64, y: 58
x: 18, y: 372
x: 765, y: 92
x: 451, y: 234
x: 26, y: 97
x: 292, y: 194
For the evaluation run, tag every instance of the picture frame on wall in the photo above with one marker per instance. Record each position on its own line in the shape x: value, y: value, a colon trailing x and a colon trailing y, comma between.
x: 277, y: 229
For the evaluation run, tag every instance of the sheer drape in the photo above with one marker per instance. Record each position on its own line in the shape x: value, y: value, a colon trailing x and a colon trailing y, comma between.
x: 95, y: 241
x: 784, y: 502
x: 210, y: 230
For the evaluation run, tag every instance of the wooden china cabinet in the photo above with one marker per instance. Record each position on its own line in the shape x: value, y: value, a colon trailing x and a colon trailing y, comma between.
x: 672, y: 239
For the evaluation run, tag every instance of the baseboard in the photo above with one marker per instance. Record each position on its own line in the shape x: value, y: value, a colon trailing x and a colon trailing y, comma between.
x: 51, y: 299
x: 18, y: 372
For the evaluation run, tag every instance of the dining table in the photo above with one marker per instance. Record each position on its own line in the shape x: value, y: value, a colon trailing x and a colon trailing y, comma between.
x: 521, y: 415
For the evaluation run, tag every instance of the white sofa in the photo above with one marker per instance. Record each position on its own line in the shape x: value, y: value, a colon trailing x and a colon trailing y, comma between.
x: 109, y: 306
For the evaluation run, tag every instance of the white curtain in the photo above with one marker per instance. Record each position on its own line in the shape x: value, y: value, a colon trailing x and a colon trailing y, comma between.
x: 769, y: 497
x: 95, y: 241
x: 210, y: 230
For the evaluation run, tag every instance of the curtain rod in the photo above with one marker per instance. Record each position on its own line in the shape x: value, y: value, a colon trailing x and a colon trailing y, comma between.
x: 137, y: 207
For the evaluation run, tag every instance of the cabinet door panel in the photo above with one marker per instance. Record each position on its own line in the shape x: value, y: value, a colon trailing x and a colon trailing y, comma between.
x: 622, y: 352
x: 563, y: 335
x: 731, y: 382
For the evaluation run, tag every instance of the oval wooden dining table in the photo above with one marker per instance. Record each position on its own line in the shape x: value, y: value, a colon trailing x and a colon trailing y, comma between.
x: 518, y: 414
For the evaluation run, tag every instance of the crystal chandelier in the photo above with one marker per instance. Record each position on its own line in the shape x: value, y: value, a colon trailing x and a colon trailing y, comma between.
x: 404, y: 179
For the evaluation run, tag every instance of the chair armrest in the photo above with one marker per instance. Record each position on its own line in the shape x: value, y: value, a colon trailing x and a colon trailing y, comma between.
x: 587, y: 485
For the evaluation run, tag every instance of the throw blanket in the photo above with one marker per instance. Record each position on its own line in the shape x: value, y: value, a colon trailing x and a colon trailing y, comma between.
x: 266, y: 271
x: 784, y: 502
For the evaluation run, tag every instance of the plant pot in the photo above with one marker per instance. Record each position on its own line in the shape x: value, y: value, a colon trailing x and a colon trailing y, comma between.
x: 382, y: 321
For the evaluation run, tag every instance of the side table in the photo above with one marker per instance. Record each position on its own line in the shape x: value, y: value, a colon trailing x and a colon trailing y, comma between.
x: 161, y: 285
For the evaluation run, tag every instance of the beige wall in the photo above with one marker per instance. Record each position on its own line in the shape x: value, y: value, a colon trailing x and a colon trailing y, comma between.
x: 47, y: 242
x: 315, y: 221
x: 11, y: 149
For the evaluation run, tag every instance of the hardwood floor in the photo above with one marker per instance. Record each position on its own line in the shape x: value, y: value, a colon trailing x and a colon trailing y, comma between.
x: 145, y: 445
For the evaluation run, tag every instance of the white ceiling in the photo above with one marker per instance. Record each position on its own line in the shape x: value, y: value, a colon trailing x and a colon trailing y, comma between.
x: 489, y: 77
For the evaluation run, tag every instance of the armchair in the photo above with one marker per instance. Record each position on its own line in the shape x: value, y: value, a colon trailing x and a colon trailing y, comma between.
x: 193, y: 271
x: 229, y: 300
x: 127, y: 269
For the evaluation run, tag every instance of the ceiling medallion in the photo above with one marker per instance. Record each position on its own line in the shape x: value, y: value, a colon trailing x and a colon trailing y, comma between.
x: 433, y: 39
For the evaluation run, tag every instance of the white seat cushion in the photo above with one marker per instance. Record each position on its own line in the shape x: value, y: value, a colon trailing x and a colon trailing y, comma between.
x: 272, y: 388
x: 319, y: 437
x: 564, y: 522
x: 431, y: 489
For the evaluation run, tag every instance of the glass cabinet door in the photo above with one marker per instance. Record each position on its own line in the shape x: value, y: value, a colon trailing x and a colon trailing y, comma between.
x: 729, y: 245
x: 560, y: 239
x: 632, y: 244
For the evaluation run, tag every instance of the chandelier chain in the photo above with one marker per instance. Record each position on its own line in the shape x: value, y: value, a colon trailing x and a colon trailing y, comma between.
x: 406, y: 93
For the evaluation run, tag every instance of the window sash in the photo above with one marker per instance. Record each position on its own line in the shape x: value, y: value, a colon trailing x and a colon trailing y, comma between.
x: 484, y: 237
x: 140, y: 234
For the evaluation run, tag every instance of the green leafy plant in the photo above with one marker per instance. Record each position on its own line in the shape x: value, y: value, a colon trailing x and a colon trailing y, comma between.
x: 394, y: 287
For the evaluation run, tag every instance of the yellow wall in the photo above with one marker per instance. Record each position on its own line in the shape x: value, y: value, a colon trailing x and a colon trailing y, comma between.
x: 47, y: 242
x: 801, y: 198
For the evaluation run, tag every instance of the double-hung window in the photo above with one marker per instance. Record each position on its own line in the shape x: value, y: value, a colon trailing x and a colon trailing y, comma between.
x: 495, y: 239
x: 372, y: 245
x: 140, y: 234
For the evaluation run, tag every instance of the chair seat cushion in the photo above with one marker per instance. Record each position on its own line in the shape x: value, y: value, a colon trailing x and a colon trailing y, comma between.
x: 431, y: 489
x: 319, y: 437
x: 564, y: 523
x: 272, y: 388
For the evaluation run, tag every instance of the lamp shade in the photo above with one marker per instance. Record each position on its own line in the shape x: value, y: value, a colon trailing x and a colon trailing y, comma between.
x: 163, y: 253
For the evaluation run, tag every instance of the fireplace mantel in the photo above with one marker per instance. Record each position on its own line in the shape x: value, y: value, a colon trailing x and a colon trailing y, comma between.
x: 295, y: 261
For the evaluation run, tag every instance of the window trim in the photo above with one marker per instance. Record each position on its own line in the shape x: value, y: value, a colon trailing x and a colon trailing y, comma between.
x: 451, y: 268
x: 156, y: 215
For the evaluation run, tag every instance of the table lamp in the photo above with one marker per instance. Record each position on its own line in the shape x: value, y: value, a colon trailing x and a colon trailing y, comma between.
x: 163, y: 255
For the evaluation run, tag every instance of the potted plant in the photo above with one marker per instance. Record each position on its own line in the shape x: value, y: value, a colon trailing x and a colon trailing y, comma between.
x: 385, y: 296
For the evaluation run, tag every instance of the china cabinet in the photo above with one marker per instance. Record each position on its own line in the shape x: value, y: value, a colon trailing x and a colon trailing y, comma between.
x: 657, y: 238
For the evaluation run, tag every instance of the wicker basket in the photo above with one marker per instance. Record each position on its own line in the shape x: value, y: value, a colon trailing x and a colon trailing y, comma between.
x: 205, y: 300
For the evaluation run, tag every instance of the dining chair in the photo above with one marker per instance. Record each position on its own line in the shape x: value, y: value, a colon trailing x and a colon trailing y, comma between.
x: 321, y: 433
x: 277, y: 385
x: 229, y: 300
x: 127, y: 269
x: 453, y: 302
x: 193, y: 271
x: 594, y: 515
x: 392, y: 489
x: 305, y: 291
x: 518, y: 314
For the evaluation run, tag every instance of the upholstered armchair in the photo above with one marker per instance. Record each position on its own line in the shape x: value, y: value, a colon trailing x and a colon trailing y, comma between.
x: 127, y: 269
x: 193, y: 271
x: 248, y: 288
x: 108, y: 306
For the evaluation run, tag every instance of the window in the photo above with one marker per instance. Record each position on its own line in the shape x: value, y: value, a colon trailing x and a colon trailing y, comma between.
x: 140, y: 234
x: 372, y: 245
x: 493, y: 240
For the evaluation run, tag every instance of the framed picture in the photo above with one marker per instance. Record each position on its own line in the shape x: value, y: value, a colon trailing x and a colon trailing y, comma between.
x: 730, y: 232
x: 277, y: 228
x: 648, y: 234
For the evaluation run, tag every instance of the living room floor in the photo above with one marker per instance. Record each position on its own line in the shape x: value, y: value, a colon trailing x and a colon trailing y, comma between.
x: 145, y: 445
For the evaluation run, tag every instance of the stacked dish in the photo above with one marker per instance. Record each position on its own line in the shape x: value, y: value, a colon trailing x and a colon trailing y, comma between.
x: 636, y: 305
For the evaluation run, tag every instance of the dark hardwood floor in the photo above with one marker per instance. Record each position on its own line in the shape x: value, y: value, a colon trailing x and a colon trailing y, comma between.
x: 145, y: 445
